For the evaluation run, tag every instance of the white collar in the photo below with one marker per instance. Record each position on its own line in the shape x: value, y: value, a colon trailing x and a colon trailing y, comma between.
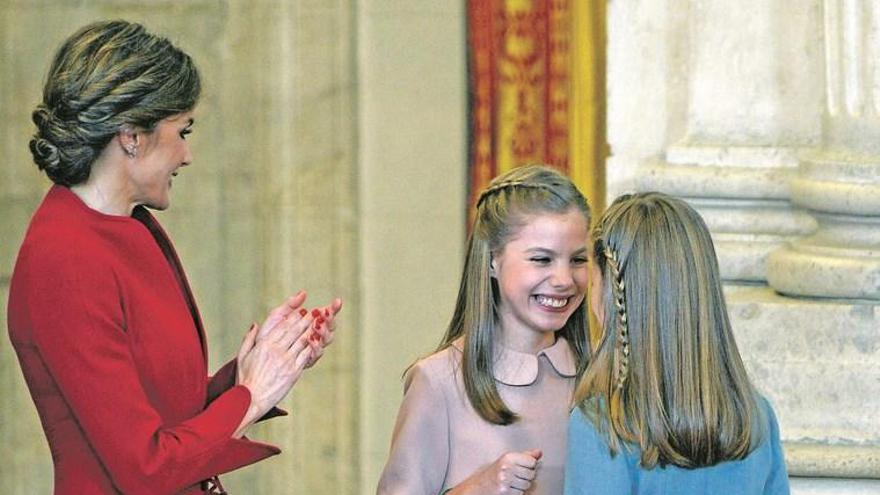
x: 521, y: 368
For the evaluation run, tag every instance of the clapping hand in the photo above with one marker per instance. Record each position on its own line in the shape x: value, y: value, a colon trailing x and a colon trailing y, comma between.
x: 274, y: 355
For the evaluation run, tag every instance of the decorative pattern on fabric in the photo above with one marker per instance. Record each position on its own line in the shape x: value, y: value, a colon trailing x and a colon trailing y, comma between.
x: 519, y: 64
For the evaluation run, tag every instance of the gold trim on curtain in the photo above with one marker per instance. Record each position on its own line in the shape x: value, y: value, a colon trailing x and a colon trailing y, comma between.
x: 587, y: 115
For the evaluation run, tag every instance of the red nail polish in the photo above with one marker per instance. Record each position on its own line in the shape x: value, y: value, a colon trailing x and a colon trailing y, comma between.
x: 316, y: 312
x: 317, y: 326
x: 327, y: 312
x: 320, y: 320
x: 303, y: 311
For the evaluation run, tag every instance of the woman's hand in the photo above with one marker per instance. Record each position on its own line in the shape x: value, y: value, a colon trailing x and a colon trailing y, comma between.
x: 323, y: 328
x: 512, y: 473
x: 270, y: 364
x: 288, y: 308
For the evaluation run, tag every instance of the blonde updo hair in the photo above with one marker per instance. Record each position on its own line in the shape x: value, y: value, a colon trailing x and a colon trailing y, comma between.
x: 104, y: 76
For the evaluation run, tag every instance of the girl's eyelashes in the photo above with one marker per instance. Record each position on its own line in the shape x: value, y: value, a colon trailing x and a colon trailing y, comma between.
x: 185, y: 132
x: 546, y: 260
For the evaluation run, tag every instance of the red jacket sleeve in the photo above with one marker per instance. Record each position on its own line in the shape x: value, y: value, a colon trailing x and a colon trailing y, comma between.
x: 81, y: 337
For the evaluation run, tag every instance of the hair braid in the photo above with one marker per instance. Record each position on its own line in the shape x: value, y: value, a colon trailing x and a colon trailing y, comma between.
x: 511, y: 184
x: 618, y: 289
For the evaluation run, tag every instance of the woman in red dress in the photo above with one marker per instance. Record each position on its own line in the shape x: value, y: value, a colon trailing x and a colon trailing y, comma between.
x: 101, y: 316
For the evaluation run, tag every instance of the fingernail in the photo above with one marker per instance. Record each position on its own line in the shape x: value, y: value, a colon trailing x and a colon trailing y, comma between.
x: 316, y: 312
x: 303, y: 311
x: 327, y: 312
x: 317, y: 326
x: 320, y: 320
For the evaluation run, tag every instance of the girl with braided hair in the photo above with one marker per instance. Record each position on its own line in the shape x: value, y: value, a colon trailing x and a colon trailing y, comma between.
x: 666, y: 405
x: 487, y: 412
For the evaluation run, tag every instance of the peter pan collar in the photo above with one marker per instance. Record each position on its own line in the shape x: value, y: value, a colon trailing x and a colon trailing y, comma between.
x: 520, y: 368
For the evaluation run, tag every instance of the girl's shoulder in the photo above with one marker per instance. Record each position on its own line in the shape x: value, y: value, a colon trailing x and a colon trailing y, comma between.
x: 437, y: 368
x: 767, y: 418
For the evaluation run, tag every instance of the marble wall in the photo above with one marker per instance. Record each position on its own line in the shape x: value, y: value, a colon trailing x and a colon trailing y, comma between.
x: 412, y: 162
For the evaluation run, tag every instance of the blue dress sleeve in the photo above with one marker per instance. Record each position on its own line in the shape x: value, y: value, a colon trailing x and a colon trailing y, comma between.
x: 589, y: 466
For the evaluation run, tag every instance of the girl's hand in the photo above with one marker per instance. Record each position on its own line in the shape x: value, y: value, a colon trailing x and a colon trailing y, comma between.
x: 322, y: 329
x: 512, y: 473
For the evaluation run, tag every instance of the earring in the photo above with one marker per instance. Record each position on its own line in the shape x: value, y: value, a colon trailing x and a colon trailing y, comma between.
x: 131, y: 150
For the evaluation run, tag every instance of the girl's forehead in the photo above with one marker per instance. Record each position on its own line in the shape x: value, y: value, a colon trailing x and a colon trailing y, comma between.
x: 549, y: 226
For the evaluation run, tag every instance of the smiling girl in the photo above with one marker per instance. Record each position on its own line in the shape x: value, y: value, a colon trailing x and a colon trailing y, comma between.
x: 487, y: 412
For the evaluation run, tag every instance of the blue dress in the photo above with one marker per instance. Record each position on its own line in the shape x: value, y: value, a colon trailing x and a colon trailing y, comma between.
x: 590, y: 469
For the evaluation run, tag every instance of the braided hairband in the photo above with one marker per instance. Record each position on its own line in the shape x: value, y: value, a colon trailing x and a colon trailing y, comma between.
x: 618, y: 290
x: 511, y: 184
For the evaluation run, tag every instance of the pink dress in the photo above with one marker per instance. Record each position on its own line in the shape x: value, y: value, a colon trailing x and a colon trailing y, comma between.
x: 439, y: 439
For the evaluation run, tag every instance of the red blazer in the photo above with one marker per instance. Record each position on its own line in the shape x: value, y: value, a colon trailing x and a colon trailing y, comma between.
x: 112, y: 348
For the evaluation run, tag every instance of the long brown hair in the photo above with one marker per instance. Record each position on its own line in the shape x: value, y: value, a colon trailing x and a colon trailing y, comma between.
x: 667, y: 375
x: 501, y: 210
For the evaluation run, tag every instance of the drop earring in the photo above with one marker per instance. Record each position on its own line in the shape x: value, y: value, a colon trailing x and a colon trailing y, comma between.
x: 131, y: 150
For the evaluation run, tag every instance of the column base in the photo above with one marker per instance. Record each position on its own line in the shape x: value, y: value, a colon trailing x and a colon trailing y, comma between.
x: 841, y: 260
x: 818, y: 363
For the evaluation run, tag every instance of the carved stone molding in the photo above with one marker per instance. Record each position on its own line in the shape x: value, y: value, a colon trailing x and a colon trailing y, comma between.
x: 842, y: 258
x: 742, y: 194
x: 838, y: 461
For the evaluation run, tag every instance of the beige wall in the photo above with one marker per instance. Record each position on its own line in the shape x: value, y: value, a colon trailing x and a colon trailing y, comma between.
x: 330, y: 155
x: 412, y: 163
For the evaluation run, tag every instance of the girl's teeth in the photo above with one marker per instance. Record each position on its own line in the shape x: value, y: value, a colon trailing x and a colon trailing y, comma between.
x: 552, y: 302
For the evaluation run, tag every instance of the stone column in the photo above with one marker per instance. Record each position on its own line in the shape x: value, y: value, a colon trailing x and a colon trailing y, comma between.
x: 286, y: 85
x: 412, y: 164
x: 840, y: 182
x: 747, y: 115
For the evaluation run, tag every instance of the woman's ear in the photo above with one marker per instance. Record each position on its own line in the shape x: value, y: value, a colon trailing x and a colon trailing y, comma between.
x: 492, y: 267
x: 128, y: 140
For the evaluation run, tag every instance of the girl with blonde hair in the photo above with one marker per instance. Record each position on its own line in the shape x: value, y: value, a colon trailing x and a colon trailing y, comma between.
x: 487, y: 412
x: 666, y: 405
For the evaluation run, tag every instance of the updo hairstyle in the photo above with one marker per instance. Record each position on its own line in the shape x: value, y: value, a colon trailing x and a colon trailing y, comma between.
x: 104, y: 76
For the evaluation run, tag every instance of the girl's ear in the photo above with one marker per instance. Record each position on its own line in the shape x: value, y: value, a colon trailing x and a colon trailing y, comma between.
x: 492, y: 267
